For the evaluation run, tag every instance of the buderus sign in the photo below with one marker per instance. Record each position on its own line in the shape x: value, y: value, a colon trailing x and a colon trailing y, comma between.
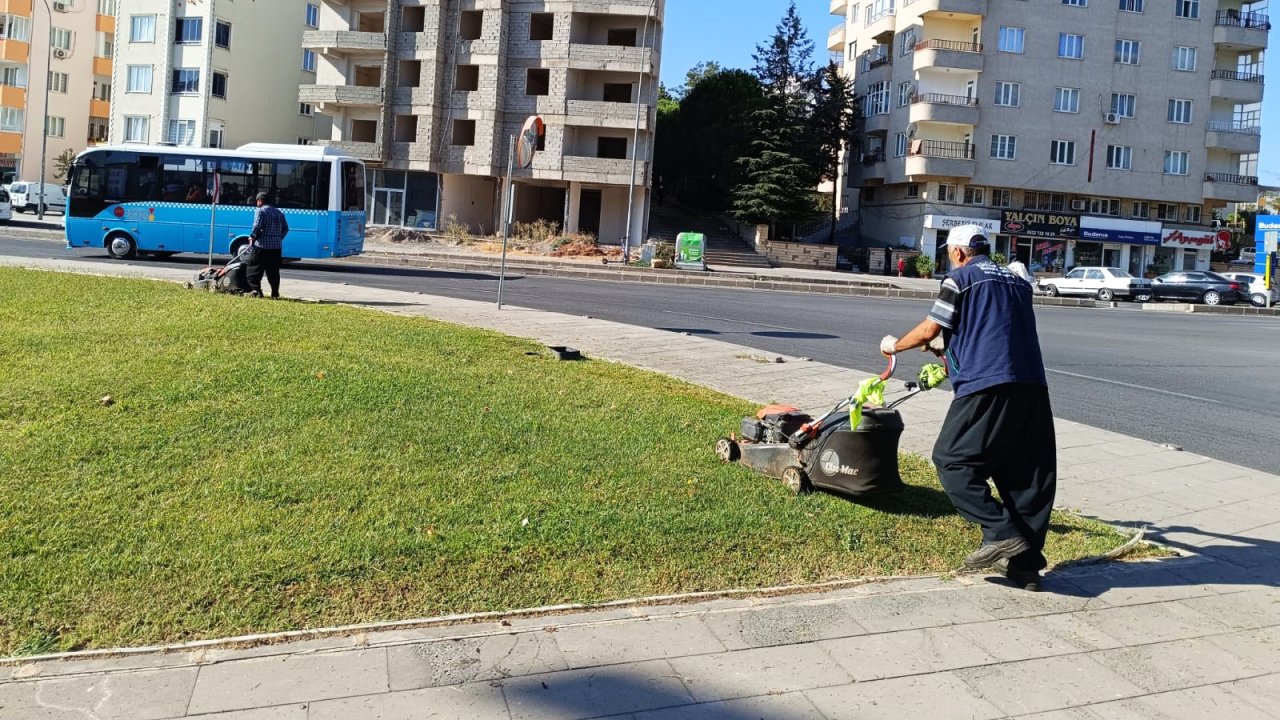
x: 1265, y: 234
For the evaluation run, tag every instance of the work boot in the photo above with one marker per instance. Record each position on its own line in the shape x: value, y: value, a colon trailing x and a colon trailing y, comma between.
x: 1028, y: 580
x: 989, y: 553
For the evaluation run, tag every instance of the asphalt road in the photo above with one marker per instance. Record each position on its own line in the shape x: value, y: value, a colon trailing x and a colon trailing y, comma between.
x: 1209, y: 384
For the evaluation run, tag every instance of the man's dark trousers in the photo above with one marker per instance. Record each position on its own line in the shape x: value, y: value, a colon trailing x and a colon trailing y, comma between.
x: 264, y: 261
x: 1004, y: 433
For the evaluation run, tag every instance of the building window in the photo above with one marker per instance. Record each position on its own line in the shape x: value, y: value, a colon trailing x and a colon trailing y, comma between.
x: 1186, y: 9
x: 1166, y: 211
x: 877, y: 100
x: 308, y: 61
x: 306, y: 109
x: 11, y: 119
x: 222, y: 34
x: 61, y: 39
x: 1192, y: 214
x: 1004, y: 147
x: 1175, y: 163
x: 907, y: 41
x: 913, y: 189
x: 900, y: 145
x: 1070, y: 46
x: 1076, y: 3
x: 215, y: 137
x: 107, y: 7
x: 1123, y: 104
x: 142, y: 28
x: 946, y: 193
x: 974, y: 195
x: 102, y: 89
x: 1103, y: 206
x: 188, y: 31
x: 13, y: 76
x: 466, y: 78
x: 1141, y: 209
x: 1133, y: 6
x: 58, y: 82
x: 1048, y: 202
x: 313, y: 15
x: 1184, y: 58
x: 138, y: 79
x: 1119, y: 157
x: 464, y: 132
x: 1179, y: 111
x: 471, y: 25
x: 57, y: 127
x: 537, y: 82
x: 1062, y: 152
x: 1011, y: 39
x: 904, y: 94
x: 182, y: 132
x: 1128, y: 51
x: 105, y: 44
x: 186, y: 81
x: 135, y: 128
x: 542, y: 26
x: 1066, y: 100
x: 1007, y: 94
x: 218, y: 85
x: 1001, y: 197
x: 15, y: 27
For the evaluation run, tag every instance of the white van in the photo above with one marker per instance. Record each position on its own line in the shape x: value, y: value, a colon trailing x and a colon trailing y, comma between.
x: 25, y: 197
x: 6, y: 210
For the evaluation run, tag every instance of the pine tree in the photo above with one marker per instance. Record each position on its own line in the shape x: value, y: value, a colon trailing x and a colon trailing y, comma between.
x: 784, y: 65
x: 832, y: 119
x: 774, y: 187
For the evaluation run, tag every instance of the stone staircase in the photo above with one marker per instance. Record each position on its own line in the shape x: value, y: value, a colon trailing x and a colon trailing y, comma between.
x: 723, y: 246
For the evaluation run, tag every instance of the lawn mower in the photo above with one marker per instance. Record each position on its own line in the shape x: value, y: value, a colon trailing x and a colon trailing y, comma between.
x: 230, y: 278
x: 852, y: 450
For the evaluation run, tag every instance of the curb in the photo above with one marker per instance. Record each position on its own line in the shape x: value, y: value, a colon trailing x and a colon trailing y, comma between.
x: 26, y: 233
x: 1211, y: 309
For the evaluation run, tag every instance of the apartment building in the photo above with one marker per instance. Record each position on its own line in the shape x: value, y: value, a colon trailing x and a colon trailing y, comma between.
x: 429, y: 93
x: 70, y: 43
x: 214, y: 73
x: 1078, y: 132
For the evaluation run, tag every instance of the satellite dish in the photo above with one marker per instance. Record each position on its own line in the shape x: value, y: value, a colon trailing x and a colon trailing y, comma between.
x: 911, y: 130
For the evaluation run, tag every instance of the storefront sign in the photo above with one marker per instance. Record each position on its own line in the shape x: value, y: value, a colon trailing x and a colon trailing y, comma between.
x: 1040, y: 224
x: 1049, y: 247
x: 946, y: 222
x: 1111, y: 230
x: 1197, y: 239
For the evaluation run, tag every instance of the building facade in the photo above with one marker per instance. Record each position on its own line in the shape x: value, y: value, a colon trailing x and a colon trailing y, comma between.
x: 1080, y: 132
x: 212, y: 73
x: 71, y: 44
x: 429, y: 93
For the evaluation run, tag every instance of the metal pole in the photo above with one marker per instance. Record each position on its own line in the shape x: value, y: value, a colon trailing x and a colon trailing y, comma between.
x: 213, y: 209
x: 506, y: 216
x: 44, y: 139
x: 635, y: 144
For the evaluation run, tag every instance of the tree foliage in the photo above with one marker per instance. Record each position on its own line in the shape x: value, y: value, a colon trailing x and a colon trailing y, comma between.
x: 62, y: 164
x: 773, y: 188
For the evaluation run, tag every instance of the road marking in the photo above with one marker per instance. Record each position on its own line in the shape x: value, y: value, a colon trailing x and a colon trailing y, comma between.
x: 1137, y: 387
x: 740, y: 322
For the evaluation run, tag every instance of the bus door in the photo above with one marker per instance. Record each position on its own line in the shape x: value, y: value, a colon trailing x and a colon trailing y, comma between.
x: 351, y: 218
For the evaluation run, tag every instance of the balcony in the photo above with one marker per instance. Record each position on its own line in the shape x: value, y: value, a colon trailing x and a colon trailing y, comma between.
x: 99, y: 108
x: 940, y: 158
x: 947, y: 55
x: 949, y: 8
x: 1244, y: 87
x: 880, y: 24
x: 1235, y: 30
x: 1232, y: 188
x: 870, y: 169
x: 340, y: 95
x: 1233, y: 137
x: 595, y: 113
x: 105, y: 24
x: 873, y: 61
x: 102, y: 66
x: 16, y: 7
x: 612, y: 58
x: 10, y: 143
x: 12, y: 96
x: 361, y: 150
x: 835, y: 38
x: 15, y: 51
x: 936, y: 107
x: 876, y: 123
x: 337, y: 42
x: 603, y: 170
x: 840, y: 7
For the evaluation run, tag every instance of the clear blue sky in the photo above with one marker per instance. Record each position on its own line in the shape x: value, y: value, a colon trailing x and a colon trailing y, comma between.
x: 698, y: 30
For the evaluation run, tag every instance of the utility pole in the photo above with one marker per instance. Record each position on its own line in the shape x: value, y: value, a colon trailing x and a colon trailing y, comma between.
x: 635, y: 138
x: 44, y: 129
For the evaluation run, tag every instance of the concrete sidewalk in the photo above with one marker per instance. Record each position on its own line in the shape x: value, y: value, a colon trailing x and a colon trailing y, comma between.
x: 1183, y: 638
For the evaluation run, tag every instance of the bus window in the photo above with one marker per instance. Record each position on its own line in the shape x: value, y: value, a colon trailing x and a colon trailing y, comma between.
x: 352, y: 187
x: 185, y: 180
x: 243, y: 179
x: 301, y: 185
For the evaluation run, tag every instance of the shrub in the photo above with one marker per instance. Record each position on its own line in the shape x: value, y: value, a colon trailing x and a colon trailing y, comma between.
x: 923, y: 265
x: 999, y: 259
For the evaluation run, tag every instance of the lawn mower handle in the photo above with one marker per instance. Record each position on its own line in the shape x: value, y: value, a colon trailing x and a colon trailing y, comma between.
x: 809, y: 430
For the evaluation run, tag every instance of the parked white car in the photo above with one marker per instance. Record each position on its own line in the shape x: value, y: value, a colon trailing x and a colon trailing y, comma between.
x: 1246, y: 256
x: 1256, y: 287
x: 6, y: 208
x: 1104, y: 283
x: 25, y: 197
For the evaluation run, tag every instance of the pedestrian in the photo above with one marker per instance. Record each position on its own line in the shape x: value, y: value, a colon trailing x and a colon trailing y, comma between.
x: 266, y: 241
x: 1000, y: 423
x: 902, y: 266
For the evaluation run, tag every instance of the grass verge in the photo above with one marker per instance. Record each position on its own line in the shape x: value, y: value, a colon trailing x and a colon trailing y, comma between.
x: 267, y: 466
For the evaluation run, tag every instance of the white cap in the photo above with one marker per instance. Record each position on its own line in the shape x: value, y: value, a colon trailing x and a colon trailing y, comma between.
x: 967, y: 236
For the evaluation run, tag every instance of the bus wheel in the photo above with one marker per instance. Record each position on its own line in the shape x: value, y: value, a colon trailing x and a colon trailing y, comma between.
x: 121, y: 247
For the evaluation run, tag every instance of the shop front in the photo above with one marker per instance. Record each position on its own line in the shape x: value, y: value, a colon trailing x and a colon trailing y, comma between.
x: 1041, y: 240
x: 1112, y: 242
x: 403, y: 198
x: 1187, y: 248
x: 938, y: 227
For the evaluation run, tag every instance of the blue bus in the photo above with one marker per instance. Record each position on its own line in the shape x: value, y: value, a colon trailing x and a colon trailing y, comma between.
x: 158, y: 200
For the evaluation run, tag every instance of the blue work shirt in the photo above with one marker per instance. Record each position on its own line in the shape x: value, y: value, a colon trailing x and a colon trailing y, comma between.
x: 989, y: 327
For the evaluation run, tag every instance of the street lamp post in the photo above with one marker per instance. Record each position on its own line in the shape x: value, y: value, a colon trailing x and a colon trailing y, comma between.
x: 635, y: 141
x: 44, y: 130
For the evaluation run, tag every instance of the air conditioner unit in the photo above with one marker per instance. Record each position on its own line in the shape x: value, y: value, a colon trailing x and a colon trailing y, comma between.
x: 1112, y: 118
x: 61, y: 6
x: 1077, y: 204
x: 61, y: 54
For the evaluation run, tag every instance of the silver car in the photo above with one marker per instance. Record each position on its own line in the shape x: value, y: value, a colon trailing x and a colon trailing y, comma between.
x: 1255, y: 286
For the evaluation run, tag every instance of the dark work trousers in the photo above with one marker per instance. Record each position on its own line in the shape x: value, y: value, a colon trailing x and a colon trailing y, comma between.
x: 264, y: 261
x: 1004, y: 433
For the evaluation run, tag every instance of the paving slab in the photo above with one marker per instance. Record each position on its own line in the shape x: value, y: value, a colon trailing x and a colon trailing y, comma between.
x: 596, y: 692
x: 473, y: 701
x: 909, y: 652
x: 1047, y: 684
x: 784, y: 706
x: 263, y: 682
x: 940, y: 696
x: 142, y: 695
x: 906, y: 611
x: 785, y: 624
x: 1132, y: 625
x: 1210, y: 701
x: 1262, y: 692
x: 758, y: 671
x: 634, y: 641
x: 296, y: 711
x: 464, y: 660
x: 1179, y: 664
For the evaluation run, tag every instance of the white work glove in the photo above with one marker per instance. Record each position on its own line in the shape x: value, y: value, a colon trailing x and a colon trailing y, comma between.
x: 936, y: 346
x: 887, y: 345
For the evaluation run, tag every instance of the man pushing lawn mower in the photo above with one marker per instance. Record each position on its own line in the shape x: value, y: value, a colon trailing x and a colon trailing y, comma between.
x: 1000, y: 425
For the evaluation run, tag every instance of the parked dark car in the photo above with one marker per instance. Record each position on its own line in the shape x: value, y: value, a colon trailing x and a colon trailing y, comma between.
x: 1198, y: 286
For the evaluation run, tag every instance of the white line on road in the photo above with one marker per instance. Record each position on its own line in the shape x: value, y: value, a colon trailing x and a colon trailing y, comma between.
x: 1137, y: 387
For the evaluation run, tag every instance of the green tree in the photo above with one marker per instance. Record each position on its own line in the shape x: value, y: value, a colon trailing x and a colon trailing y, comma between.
x: 712, y: 129
x: 831, y: 127
x: 62, y: 164
x: 697, y: 74
x: 775, y: 187
x: 784, y: 66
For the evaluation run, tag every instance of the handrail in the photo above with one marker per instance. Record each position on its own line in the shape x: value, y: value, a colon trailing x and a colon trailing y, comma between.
x: 941, y: 99
x: 939, y: 44
x: 1235, y: 18
x: 1236, y: 75
x: 1230, y: 178
x: 1234, y: 127
x: 942, y: 149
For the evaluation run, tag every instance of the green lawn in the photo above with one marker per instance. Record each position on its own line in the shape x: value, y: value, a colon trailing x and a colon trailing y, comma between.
x: 274, y: 465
